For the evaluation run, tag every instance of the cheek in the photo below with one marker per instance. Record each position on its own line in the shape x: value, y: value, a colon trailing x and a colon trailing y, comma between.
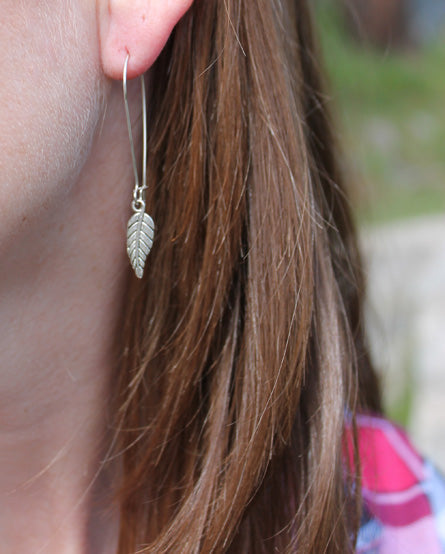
x: 50, y: 90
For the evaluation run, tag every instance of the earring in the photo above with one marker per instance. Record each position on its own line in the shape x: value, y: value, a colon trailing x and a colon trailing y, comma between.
x: 140, y: 228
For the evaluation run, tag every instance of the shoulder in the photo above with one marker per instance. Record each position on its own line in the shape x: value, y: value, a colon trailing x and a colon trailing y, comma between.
x: 403, y: 494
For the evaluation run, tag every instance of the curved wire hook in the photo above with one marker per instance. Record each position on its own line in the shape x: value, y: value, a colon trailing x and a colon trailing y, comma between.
x: 138, y: 187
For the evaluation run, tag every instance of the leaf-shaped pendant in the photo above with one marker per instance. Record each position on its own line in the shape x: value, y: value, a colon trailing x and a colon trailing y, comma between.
x: 140, y: 232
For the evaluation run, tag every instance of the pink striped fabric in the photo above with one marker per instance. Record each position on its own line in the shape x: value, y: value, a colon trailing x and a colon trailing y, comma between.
x: 403, y: 494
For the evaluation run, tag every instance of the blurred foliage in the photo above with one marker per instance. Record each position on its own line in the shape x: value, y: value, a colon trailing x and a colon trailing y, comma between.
x: 391, y: 111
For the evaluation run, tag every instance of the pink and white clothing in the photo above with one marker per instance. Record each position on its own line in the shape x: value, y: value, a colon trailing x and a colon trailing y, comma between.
x: 403, y: 494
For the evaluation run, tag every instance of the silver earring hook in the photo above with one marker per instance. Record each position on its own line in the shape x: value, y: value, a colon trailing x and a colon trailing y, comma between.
x: 138, y: 188
x: 140, y: 227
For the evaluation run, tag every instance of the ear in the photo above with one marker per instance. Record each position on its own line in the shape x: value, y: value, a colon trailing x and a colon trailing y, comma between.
x: 136, y: 27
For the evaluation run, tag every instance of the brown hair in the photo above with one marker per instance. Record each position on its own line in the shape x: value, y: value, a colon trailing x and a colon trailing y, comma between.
x: 244, y: 351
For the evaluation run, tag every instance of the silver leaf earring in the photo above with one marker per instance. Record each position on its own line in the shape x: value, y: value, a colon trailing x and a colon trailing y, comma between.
x: 140, y: 228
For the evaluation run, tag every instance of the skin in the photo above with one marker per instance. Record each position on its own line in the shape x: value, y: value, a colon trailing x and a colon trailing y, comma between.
x: 65, y: 190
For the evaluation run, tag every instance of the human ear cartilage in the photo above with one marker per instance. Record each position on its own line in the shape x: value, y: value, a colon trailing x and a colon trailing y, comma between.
x: 140, y: 228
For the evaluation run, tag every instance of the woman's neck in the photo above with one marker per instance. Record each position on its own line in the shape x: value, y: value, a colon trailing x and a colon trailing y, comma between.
x: 62, y: 280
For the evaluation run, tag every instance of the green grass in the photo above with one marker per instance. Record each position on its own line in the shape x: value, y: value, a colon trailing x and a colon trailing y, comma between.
x: 401, y: 409
x: 399, y: 401
x: 391, y: 108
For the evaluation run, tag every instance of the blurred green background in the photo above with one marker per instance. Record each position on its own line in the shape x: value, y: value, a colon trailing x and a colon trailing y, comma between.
x: 387, y: 91
x: 390, y: 103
